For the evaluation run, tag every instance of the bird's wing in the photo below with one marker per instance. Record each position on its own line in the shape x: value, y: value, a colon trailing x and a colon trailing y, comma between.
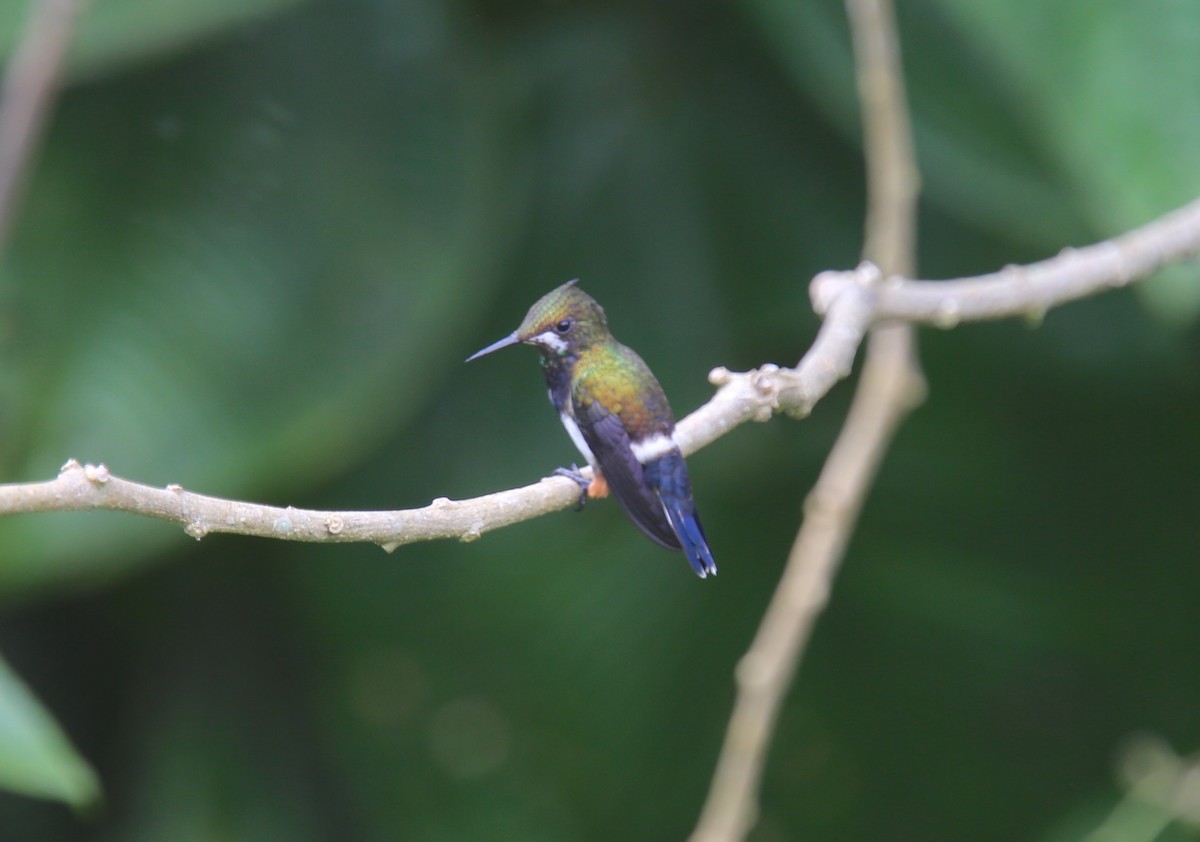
x: 609, y: 442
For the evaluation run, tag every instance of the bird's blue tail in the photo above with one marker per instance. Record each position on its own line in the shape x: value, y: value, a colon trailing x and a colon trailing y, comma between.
x: 669, y: 477
x: 686, y: 523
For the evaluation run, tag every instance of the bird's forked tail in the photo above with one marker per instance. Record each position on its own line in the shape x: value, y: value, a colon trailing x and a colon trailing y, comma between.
x: 686, y: 523
x: 669, y: 477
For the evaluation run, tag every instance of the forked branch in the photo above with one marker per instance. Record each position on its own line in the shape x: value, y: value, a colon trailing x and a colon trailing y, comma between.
x: 850, y: 302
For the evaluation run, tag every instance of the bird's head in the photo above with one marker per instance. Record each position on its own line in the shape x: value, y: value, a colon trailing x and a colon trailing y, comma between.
x: 564, y: 321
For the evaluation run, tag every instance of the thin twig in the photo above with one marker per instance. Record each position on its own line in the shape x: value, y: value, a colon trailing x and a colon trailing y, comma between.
x: 889, y: 387
x: 30, y: 84
x: 1162, y: 788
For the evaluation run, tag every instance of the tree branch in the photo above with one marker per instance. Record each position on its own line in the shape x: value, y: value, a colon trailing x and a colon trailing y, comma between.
x: 877, y: 299
x: 891, y: 384
x: 30, y: 83
x: 1029, y: 290
x: 1161, y: 789
x: 849, y: 301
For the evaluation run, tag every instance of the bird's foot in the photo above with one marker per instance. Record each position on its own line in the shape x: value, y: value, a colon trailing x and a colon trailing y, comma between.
x: 572, y: 473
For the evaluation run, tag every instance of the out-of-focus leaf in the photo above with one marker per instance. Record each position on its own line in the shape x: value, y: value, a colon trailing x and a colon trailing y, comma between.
x: 114, y: 33
x: 1059, y: 123
x: 262, y: 272
x: 1020, y: 593
x: 1173, y: 295
x: 976, y: 160
x: 36, y: 758
x: 1111, y: 92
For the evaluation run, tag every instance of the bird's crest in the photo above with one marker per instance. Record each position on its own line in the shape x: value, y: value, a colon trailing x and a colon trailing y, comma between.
x: 568, y: 313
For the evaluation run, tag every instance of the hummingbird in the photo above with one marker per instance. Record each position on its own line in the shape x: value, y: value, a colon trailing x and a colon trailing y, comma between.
x: 618, y: 417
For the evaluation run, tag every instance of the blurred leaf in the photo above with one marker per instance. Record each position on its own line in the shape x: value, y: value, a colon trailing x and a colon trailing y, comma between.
x: 1111, y: 92
x: 256, y: 294
x: 258, y: 266
x: 976, y: 159
x: 1059, y: 123
x: 1173, y: 295
x: 36, y: 758
x: 113, y: 33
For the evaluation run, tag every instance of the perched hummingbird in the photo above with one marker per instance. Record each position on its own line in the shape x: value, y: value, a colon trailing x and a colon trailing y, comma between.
x: 617, y: 415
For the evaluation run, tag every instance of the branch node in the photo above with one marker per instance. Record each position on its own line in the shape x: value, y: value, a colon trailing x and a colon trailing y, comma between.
x: 792, y: 394
x: 473, y: 533
x: 96, y: 474
x: 175, y: 488
x: 868, y: 274
x: 334, y: 524
x: 439, y: 502
x: 827, y: 286
x: 824, y: 288
x: 720, y: 376
x: 69, y: 466
x: 765, y: 382
x: 948, y: 314
x: 1121, y: 274
x: 196, y: 529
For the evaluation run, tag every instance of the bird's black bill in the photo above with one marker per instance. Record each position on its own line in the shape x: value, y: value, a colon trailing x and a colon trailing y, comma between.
x: 511, y: 339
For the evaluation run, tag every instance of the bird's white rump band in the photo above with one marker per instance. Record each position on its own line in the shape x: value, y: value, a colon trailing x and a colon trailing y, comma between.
x: 652, y: 447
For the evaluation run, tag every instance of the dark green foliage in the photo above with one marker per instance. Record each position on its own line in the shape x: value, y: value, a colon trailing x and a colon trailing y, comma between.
x: 260, y: 241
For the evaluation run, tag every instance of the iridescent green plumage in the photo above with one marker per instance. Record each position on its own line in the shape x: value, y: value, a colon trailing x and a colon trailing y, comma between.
x: 618, y: 416
x: 616, y: 377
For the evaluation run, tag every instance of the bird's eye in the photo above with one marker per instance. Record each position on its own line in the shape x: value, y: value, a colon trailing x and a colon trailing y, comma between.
x: 563, y: 326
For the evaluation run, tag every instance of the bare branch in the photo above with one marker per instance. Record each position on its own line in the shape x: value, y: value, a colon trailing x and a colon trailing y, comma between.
x: 30, y: 83
x: 87, y: 487
x: 753, y: 395
x: 890, y: 385
x: 1029, y: 290
x: 876, y: 299
x: 850, y: 302
x: 893, y: 181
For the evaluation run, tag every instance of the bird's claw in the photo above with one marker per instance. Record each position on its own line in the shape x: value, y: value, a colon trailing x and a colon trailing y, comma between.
x: 572, y: 473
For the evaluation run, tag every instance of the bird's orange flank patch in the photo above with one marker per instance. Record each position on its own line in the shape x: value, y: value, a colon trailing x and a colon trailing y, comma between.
x: 598, y: 487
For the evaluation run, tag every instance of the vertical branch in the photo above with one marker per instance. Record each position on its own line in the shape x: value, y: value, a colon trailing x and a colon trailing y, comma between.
x: 889, y: 386
x: 1161, y: 789
x: 30, y: 82
x: 892, y: 178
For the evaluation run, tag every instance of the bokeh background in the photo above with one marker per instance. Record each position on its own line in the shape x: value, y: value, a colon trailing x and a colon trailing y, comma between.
x: 261, y: 238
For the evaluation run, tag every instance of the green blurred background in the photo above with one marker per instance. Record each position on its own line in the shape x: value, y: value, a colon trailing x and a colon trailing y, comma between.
x: 263, y: 235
